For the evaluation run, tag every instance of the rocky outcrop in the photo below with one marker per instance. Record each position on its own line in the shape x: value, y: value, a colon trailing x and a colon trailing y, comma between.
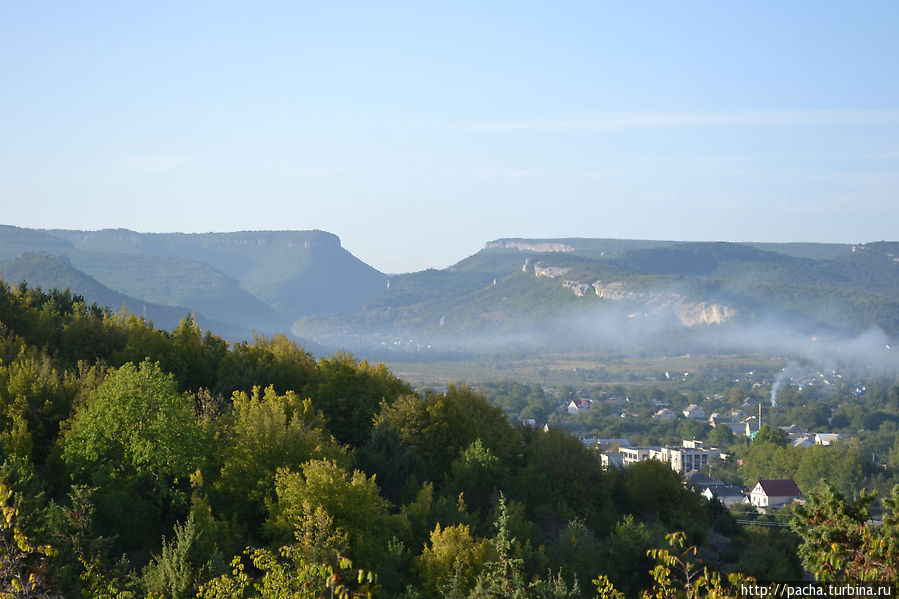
x: 524, y: 245
x: 689, y: 313
x: 579, y: 289
x: 550, y: 271
x: 613, y: 291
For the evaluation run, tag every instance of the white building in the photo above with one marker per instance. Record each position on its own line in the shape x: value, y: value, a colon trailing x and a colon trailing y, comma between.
x: 774, y: 493
x: 691, y: 456
x: 694, y: 411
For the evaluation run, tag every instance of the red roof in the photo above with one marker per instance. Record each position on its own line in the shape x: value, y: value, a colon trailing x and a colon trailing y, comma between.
x: 780, y: 488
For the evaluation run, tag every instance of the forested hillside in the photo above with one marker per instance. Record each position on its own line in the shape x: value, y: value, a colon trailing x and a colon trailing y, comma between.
x: 138, y: 462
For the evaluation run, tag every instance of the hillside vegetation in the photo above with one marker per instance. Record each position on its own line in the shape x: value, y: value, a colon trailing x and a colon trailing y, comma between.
x: 139, y: 462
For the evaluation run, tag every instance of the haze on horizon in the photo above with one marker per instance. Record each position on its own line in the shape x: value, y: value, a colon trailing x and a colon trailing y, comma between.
x: 418, y: 133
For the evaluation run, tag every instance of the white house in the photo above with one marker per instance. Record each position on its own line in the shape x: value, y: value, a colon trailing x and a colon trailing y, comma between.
x: 774, y: 493
x: 694, y: 411
x: 826, y: 439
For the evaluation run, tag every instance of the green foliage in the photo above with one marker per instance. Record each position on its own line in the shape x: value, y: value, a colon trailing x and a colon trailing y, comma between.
x: 351, y: 499
x: 624, y: 559
x: 440, y: 426
x: 286, y: 575
x: 266, y: 431
x: 477, y: 474
x: 576, y: 552
x: 842, y: 463
x: 23, y: 563
x: 769, y: 555
x: 136, y: 424
x: 563, y: 479
x: 177, y: 572
x: 277, y: 362
x: 502, y: 577
x: 34, y: 398
x: 655, y: 491
x: 350, y: 393
x: 453, y: 558
x: 398, y: 466
x: 137, y: 441
x: 838, y: 542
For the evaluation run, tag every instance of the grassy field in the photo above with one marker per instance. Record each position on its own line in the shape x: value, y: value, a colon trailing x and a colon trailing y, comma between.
x: 582, y: 369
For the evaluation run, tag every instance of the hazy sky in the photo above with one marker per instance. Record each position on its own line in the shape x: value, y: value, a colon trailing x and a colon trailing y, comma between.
x: 418, y: 131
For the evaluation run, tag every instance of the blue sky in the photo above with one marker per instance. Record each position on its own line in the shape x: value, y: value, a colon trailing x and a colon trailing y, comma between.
x: 419, y: 131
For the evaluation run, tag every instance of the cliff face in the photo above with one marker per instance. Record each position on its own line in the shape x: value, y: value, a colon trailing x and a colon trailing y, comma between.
x: 550, y: 271
x: 689, y: 313
x: 524, y: 245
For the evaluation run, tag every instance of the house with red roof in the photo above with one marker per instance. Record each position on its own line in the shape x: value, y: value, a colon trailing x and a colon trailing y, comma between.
x: 774, y: 493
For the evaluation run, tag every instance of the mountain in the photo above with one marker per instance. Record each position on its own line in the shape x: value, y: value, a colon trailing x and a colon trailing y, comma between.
x: 56, y: 272
x: 573, y: 294
x: 569, y: 294
x: 248, y: 280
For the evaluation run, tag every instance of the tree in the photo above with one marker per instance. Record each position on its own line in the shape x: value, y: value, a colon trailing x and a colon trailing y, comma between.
x: 277, y: 362
x: 136, y: 424
x: 351, y: 499
x: 477, y: 473
x: 286, y: 575
x: 350, y: 394
x: 838, y: 543
x: 137, y: 440
x: 440, y: 426
x: 176, y: 573
x: 34, y: 398
x: 503, y: 577
x: 266, y: 431
x: 721, y: 436
x: 23, y: 563
x: 452, y: 557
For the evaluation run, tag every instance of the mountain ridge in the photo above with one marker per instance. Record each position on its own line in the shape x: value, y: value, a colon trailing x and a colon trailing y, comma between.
x: 552, y: 293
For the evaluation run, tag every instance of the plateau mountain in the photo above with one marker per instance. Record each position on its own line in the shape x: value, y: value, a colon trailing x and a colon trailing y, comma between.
x: 569, y: 294
x: 244, y: 281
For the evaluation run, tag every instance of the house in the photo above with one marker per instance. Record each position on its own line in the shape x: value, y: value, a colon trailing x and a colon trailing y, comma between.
x: 729, y: 496
x: 802, y: 442
x: 700, y: 481
x: 611, y: 459
x: 694, y: 411
x: 575, y: 429
x: 587, y: 440
x: 793, y: 429
x: 774, y: 493
x: 615, y: 442
x: 826, y: 439
x: 665, y: 414
x: 572, y: 428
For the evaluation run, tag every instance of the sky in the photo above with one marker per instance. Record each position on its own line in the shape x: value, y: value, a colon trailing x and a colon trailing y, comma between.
x: 418, y: 131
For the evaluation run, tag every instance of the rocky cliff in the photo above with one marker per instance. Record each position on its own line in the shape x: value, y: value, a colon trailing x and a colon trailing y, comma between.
x: 524, y: 245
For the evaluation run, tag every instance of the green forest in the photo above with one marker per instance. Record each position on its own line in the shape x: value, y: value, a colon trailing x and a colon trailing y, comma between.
x: 142, y: 462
